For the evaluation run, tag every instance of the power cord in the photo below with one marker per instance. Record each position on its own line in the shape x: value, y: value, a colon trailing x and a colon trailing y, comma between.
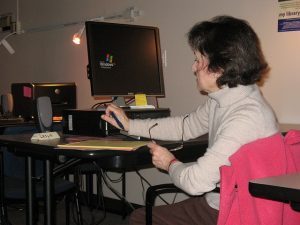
x: 98, y: 104
x: 118, y: 180
x: 130, y: 101
x: 100, y: 195
x: 79, y: 172
x: 78, y: 175
x: 159, y: 196
x: 105, y: 180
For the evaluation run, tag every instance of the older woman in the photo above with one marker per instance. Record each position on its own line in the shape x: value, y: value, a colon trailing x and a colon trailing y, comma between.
x: 228, y: 64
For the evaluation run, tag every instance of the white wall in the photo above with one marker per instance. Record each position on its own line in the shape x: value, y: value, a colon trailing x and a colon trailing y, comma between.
x: 50, y: 56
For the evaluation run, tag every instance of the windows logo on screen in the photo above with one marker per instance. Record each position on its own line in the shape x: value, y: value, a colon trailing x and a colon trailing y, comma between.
x: 108, y: 62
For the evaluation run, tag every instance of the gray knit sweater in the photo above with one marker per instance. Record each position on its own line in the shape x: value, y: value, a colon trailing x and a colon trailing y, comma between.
x: 232, y: 117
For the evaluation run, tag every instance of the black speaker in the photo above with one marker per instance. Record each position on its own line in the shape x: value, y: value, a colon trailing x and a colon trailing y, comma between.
x: 7, y: 104
x: 44, y: 114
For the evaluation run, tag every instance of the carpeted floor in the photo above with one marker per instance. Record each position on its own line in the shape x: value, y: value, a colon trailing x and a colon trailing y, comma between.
x: 16, y: 216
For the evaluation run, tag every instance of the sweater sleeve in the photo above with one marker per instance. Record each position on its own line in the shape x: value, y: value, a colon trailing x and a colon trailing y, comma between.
x: 195, y: 125
x: 243, y: 126
x: 204, y: 175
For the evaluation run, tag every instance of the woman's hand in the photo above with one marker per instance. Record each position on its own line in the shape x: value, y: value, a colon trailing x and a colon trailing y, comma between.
x: 119, y: 113
x: 161, y: 157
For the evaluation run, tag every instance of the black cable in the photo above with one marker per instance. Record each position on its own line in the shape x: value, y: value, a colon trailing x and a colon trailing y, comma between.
x: 145, y: 180
x: 95, y: 106
x: 78, y: 173
x: 100, y: 199
x: 118, y: 180
x: 129, y: 101
x: 120, y: 196
x: 143, y: 191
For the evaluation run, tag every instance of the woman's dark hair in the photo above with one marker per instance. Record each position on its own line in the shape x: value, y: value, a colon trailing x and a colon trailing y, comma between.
x: 232, y: 47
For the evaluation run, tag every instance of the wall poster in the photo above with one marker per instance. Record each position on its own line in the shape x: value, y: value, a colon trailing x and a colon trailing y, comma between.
x: 288, y: 15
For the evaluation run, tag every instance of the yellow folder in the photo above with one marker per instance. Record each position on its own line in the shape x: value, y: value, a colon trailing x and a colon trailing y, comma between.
x: 104, y: 145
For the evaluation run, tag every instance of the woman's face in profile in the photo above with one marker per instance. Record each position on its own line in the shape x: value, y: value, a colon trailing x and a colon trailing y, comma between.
x: 206, y: 80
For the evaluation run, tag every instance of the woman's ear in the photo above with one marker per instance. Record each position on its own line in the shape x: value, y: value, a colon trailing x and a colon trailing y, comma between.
x: 217, y: 75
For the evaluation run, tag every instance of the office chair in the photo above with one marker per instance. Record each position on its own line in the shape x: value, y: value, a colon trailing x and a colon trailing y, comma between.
x: 15, y: 193
x: 14, y: 169
x: 155, y: 191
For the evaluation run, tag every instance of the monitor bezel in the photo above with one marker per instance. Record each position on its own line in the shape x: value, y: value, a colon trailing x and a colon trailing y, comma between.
x: 88, y: 26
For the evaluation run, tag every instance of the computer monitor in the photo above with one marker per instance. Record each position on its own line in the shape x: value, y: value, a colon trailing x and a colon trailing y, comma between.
x: 124, y: 59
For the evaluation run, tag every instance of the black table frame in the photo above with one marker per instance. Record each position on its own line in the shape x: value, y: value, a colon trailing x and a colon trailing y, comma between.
x: 108, y: 159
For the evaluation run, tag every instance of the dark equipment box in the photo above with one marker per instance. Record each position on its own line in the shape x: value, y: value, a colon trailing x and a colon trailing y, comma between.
x: 89, y: 122
x: 62, y: 96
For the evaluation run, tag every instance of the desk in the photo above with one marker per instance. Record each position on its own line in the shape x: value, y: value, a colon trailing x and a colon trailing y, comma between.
x: 11, y: 123
x: 285, y: 127
x: 284, y: 188
x: 110, y: 159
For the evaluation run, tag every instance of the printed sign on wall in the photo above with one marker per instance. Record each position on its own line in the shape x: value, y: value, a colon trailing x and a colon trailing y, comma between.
x: 288, y: 15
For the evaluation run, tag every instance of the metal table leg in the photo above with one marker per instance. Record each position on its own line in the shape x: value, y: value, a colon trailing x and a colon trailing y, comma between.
x: 50, y: 216
x: 3, y: 212
x: 30, y: 192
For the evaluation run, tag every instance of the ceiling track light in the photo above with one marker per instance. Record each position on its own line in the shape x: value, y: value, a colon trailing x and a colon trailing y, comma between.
x: 129, y: 14
x: 77, y: 36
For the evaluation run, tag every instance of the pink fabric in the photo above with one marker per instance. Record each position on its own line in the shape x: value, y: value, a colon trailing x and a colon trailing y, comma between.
x: 269, y: 156
x: 293, y: 147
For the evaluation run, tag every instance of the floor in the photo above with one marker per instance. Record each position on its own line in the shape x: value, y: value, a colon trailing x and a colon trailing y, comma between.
x: 16, y: 216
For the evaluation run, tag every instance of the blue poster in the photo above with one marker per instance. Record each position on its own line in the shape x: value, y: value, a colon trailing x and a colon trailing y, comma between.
x: 289, y: 15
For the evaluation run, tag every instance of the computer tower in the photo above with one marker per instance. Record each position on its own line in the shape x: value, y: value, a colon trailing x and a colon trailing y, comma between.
x: 62, y: 96
x: 89, y: 122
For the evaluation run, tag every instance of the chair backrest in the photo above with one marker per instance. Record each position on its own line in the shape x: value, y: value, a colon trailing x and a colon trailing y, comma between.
x: 262, y: 158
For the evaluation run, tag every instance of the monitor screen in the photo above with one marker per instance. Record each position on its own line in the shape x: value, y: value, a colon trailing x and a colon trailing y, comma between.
x: 124, y: 59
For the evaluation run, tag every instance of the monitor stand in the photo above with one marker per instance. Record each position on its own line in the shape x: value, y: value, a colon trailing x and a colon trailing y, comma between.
x: 152, y: 100
x: 119, y: 101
